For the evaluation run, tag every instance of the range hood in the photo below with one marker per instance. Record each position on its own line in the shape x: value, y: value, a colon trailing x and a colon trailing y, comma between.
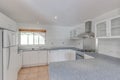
x: 88, y: 32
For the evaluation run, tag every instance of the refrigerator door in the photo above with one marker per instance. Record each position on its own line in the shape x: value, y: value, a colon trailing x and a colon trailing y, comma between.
x: 9, y: 39
x: 6, y: 62
x: 10, y: 63
x: 1, y: 57
x: 12, y: 36
x: 6, y: 42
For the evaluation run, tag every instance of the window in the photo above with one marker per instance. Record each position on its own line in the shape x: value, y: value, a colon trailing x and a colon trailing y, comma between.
x: 32, y: 37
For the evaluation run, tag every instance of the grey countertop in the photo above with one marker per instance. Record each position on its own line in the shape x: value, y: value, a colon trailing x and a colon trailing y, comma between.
x: 102, y: 67
x: 50, y: 48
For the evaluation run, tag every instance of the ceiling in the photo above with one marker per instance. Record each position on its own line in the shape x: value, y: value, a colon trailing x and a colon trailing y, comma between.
x: 56, y: 12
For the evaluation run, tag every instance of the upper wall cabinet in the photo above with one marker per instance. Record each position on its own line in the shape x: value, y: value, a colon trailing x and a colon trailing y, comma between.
x: 73, y: 34
x: 101, y: 29
x: 109, y: 28
x: 7, y: 23
x: 115, y: 26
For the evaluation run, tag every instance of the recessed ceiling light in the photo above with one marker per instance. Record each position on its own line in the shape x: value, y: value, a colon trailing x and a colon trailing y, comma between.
x: 56, y: 17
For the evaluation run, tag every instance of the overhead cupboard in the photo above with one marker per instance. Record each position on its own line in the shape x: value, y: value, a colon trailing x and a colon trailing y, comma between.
x: 7, y: 23
x: 109, y: 28
x: 74, y: 33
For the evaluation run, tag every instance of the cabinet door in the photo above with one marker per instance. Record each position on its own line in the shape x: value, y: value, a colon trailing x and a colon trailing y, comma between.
x: 101, y: 29
x: 115, y: 26
x: 30, y: 58
x: 74, y: 33
x: 61, y: 55
x: 71, y: 34
x: 55, y: 56
x: 43, y: 57
x: 70, y: 55
x: 19, y: 61
x: 6, y: 22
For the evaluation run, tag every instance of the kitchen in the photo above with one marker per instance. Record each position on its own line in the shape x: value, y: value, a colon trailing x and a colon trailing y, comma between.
x: 42, y: 41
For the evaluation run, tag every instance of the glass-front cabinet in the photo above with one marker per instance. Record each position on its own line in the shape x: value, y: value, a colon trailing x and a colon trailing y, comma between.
x: 101, y: 29
x: 109, y: 28
x: 73, y: 34
x: 115, y: 27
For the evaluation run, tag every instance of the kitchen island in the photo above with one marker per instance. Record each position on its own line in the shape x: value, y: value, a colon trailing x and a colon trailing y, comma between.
x: 102, y: 67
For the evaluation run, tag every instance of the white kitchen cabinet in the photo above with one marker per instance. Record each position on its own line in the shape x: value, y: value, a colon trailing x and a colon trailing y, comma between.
x: 61, y: 55
x: 30, y: 58
x: 56, y: 56
x: 115, y: 26
x: 109, y: 28
x: 73, y: 34
x: 35, y: 58
x: 7, y: 23
x: 42, y: 57
x: 101, y: 29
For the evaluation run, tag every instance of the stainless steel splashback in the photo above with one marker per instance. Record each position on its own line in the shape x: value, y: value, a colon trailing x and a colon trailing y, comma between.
x: 89, y: 44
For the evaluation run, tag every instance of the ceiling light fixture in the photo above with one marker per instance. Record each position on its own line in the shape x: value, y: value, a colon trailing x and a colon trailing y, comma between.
x: 56, y: 17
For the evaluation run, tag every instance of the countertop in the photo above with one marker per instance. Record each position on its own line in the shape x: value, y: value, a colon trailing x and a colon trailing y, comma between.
x: 50, y: 48
x: 102, y: 67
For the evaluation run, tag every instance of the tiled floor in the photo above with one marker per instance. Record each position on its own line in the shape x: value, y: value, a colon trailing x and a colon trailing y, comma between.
x: 34, y: 73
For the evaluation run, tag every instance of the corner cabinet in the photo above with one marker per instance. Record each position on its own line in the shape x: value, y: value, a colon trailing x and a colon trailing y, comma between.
x: 109, y: 28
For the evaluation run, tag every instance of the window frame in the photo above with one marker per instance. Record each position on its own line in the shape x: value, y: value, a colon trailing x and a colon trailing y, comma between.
x: 40, y: 31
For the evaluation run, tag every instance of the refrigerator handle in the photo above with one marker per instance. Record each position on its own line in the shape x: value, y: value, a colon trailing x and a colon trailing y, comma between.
x: 9, y: 54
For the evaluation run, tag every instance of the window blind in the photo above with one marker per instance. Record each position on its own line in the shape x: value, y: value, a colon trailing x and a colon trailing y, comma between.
x: 32, y: 30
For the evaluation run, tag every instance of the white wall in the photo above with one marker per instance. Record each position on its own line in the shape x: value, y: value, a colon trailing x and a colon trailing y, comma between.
x: 55, y: 36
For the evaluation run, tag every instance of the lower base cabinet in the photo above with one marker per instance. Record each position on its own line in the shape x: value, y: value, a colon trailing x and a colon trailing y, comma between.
x: 42, y: 57
x: 38, y: 58
x: 35, y: 58
x: 61, y: 55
